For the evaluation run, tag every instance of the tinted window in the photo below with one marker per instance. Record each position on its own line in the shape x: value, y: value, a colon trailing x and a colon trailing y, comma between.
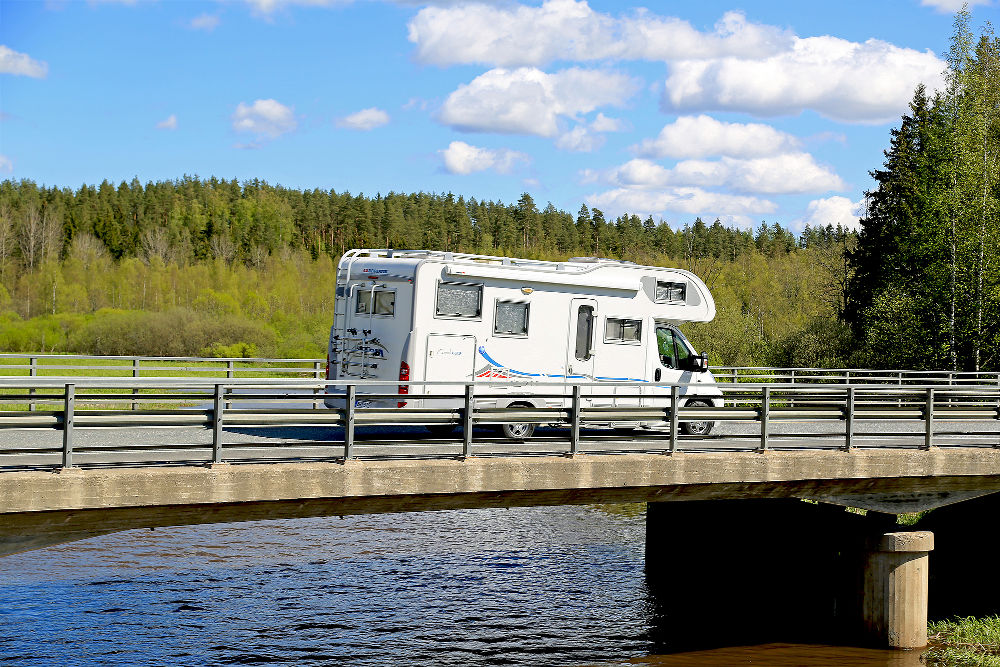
x: 673, y: 292
x: 383, y: 302
x: 511, y: 318
x: 459, y: 300
x: 584, y: 331
x: 619, y: 329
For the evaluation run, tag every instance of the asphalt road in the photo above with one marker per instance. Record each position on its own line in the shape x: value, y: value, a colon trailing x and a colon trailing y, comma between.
x: 191, y: 445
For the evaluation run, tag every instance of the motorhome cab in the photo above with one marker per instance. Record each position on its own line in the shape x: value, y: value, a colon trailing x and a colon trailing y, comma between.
x: 423, y: 315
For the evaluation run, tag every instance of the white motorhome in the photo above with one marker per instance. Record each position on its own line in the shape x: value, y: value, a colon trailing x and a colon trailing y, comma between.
x: 424, y: 315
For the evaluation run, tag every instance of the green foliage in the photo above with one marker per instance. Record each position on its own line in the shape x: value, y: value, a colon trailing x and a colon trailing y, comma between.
x: 926, y: 270
x: 962, y: 642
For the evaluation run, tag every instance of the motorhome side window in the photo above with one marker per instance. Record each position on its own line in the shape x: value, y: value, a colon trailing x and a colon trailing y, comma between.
x: 454, y: 300
x: 381, y: 302
x: 620, y: 330
x: 584, y: 331
x: 511, y: 318
x: 670, y: 292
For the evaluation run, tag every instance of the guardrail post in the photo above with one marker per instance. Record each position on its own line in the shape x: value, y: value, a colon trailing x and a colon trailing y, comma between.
x: 674, y: 424
x: 929, y: 419
x: 217, y: 414
x: 467, y: 421
x: 849, y: 418
x: 32, y: 372
x: 791, y: 398
x: 230, y: 369
x: 349, y: 422
x: 135, y: 390
x: 736, y: 374
x: 765, y: 414
x: 69, y: 406
x: 317, y: 368
x: 574, y: 422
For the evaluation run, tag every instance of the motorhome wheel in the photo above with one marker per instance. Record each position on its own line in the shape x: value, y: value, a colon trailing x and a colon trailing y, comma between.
x: 697, y: 428
x: 519, y: 431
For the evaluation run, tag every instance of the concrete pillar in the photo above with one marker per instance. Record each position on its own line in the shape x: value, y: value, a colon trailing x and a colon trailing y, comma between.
x: 895, y: 589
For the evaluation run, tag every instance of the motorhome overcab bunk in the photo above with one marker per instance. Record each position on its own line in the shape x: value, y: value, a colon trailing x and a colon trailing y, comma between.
x: 412, y: 315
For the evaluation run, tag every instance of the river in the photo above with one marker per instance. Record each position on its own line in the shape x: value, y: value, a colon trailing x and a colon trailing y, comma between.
x: 525, y: 586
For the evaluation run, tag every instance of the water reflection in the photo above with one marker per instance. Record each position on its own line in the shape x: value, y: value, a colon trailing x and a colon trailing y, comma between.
x: 525, y: 586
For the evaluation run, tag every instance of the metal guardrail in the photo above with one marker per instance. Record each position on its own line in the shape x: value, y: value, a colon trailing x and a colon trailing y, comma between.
x: 71, y: 405
x: 760, y: 374
x: 34, y: 365
x: 41, y: 365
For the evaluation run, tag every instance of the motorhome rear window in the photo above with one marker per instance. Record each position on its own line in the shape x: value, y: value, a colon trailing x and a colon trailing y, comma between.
x: 618, y: 329
x: 671, y: 292
x: 511, y: 319
x: 455, y: 300
x: 384, y: 302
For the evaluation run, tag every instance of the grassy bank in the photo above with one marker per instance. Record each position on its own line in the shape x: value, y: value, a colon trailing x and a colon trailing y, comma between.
x: 964, y: 642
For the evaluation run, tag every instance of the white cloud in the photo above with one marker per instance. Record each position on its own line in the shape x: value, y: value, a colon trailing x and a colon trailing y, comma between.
x: 264, y: 118
x: 269, y: 6
x: 602, y: 123
x: 6, y: 164
x: 703, y: 136
x: 510, y: 36
x: 170, y: 123
x: 206, y: 22
x: 693, y: 201
x: 778, y: 174
x: 21, y: 64
x: 530, y: 101
x: 952, y: 5
x: 580, y: 139
x: 846, y: 81
x: 463, y: 158
x: 831, y: 211
x: 585, y: 138
x: 366, y: 119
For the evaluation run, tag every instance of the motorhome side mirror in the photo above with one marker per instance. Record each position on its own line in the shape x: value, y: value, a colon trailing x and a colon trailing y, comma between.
x: 698, y: 364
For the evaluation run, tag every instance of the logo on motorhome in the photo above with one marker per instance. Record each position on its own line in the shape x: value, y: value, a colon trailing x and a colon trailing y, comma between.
x: 380, y: 271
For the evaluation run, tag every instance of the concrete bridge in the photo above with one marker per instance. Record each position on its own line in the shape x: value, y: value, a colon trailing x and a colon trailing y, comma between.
x: 712, y: 503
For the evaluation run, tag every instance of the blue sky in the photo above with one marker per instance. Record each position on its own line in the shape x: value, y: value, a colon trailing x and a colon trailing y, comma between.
x: 745, y: 112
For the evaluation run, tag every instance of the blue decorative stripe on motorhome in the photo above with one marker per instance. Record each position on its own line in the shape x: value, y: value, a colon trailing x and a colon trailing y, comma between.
x: 496, y: 369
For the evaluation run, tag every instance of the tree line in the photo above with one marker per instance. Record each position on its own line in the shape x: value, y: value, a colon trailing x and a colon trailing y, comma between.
x: 924, y: 290
x: 190, y: 220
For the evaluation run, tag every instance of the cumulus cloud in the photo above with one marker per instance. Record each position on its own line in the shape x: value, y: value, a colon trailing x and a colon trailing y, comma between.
x: 847, y: 81
x: 703, y: 136
x: 588, y: 137
x: 831, y: 211
x: 206, y: 22
x: 366, y: 119
x: 267, y: 119
x: 463, y: 158
x: 692, y: 201
x: 6, y: 165
x: 778, y: 174
x: 21, y: 64
x: 518, y: 35
x: 529, y: 101
x: 952, y: 5
x: 269, y: 6
x: 169, y: 123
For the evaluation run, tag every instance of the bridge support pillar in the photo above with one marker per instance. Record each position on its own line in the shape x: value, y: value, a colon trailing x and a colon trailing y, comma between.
x: 895, y: 589
x: 757, y: 570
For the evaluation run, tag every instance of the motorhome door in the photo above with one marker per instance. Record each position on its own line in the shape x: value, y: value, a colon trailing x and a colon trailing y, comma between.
x: 580, y: 351
x: 449, y: 358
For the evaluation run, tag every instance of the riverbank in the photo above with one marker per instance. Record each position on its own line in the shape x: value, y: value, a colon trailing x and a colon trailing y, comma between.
x: 961, y: 642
